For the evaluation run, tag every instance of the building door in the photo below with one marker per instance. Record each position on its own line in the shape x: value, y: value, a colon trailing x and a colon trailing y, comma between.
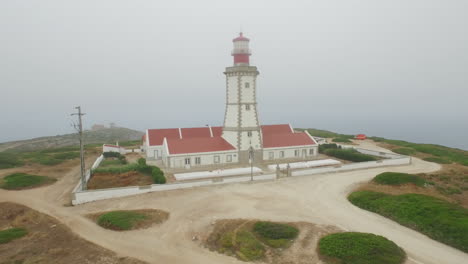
x: 156, y: 154
x: 304, y: 153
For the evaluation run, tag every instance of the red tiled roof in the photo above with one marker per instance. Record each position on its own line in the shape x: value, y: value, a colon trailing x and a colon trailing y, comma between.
x: 241, y: 38
x: 156, y: 136
x: 195, y: 132
x: 286, y: 140
x: 196, y: 145
x: 276, y: 129
x: 217, y: 131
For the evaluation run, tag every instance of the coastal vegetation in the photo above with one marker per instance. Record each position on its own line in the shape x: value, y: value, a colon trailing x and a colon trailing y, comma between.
x: 11, y: 234
x: 129, y: 220
x: 359, y: 248
x: 345, y: 154
x: 440, y: 220
x: 396, y: 178
x: 252, y: 240
x: 18, y: 181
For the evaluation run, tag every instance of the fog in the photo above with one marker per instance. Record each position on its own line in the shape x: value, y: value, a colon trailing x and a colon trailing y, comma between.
x: 397, y: 69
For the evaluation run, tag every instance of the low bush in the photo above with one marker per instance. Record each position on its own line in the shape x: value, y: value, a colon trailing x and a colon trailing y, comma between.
x: 275, y: 231
x: 396, y: 178
x: 11, y: 234
x: 437, y: 160
x: 111, y: 154
x: 141, y: 162
x: 360, y: 248
x: 436, y: 218
x: 349, y: 154
x: 324, y: 147
x: 120, y: 220
x: 158, y: 176
x: 18, y: 181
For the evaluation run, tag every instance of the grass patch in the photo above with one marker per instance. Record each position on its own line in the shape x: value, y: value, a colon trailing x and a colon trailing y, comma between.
x: 154, y: 172
x: 404, y: 151
x: 120, y: 220
x: 360, y: 248
x: 11, y: 234
x: 327, y: 134
x: 436, y: 218
x: 275, y: 235
x: 450, y: 154
x: 437, y: 160
x: 341, y: 140
x: 396, y: 178
x: 349, y: 154
x: 9, y: 160
x: 248, y: 247
x: 17, y: 181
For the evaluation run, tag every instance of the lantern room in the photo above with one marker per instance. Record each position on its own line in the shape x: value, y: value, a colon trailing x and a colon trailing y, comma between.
x: 241, y: 51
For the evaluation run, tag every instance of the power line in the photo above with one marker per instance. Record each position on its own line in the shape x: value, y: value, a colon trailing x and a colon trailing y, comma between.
x: 80, y: 133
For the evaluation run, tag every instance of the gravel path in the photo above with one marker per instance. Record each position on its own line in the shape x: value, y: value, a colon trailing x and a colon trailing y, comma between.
x: 319, y: 199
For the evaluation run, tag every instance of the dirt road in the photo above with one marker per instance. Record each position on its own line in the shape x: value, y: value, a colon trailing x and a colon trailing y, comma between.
x: 319, y: 199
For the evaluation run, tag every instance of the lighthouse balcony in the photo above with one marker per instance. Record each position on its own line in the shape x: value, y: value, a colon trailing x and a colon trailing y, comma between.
x: 241, y: 51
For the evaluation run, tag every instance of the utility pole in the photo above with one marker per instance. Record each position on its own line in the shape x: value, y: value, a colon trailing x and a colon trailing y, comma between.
x: 80, y: 133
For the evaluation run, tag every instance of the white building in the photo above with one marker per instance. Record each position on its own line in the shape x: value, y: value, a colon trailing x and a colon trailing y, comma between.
x: 241, y: 136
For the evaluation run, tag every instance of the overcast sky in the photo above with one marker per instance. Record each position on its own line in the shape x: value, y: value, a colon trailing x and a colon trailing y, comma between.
x: 396, y: 68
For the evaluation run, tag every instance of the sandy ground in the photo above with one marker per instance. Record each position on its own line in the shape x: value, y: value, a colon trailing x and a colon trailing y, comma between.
x: 319, y: 199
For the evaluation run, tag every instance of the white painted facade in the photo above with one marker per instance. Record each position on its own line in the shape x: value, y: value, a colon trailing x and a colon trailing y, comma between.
x: 192, y: 160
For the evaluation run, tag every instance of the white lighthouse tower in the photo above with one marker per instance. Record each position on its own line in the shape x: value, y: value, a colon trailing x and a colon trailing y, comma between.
x: 241, y: 125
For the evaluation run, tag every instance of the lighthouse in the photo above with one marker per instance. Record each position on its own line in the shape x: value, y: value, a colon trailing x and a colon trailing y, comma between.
x: 241, y: 123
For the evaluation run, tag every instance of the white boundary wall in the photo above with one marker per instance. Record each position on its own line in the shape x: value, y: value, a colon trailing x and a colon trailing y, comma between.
x: 305, y: 164
x: 214, y: 173
x: 80, y: 196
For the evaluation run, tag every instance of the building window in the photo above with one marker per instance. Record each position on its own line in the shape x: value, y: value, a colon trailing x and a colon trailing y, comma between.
x: 216, y: 159
x: 247, y: 107
x: 281, y: 154
x: 249, y: 133
x: 271, y: 155
x: 229, y: 158
x: 187, y: 161
x: 311, y: 152
x: 296, y: 153
x: 247, y: 85
x: 197, y: 160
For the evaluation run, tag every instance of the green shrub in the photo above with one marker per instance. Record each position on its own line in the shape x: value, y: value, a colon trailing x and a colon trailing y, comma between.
x: 437, y: 160
x: 271, y: 230
x: 63, y: 149
x: 360, y: 248
x: 158, y: 176
x: 324, y: 147
x: 404, y: 151
x: 396, y: 178
x: 341, y: 140
x: 17, y: 181
x: 120, y: 220
x: 436, y: 218
x: 349, y: 154
x: 111, y: 154
x: 141, y: 162
x: 11, y: 234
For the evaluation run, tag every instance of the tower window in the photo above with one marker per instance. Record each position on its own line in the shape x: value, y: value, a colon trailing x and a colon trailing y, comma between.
x: 247, y: 107
x: 247, y: 85
x: 249, y: 133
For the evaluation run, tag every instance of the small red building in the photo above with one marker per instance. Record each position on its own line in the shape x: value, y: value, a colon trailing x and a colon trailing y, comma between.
x: 360, y: 136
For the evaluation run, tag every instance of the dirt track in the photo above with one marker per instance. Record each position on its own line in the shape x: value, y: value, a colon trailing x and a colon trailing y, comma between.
x: 319, y: 199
